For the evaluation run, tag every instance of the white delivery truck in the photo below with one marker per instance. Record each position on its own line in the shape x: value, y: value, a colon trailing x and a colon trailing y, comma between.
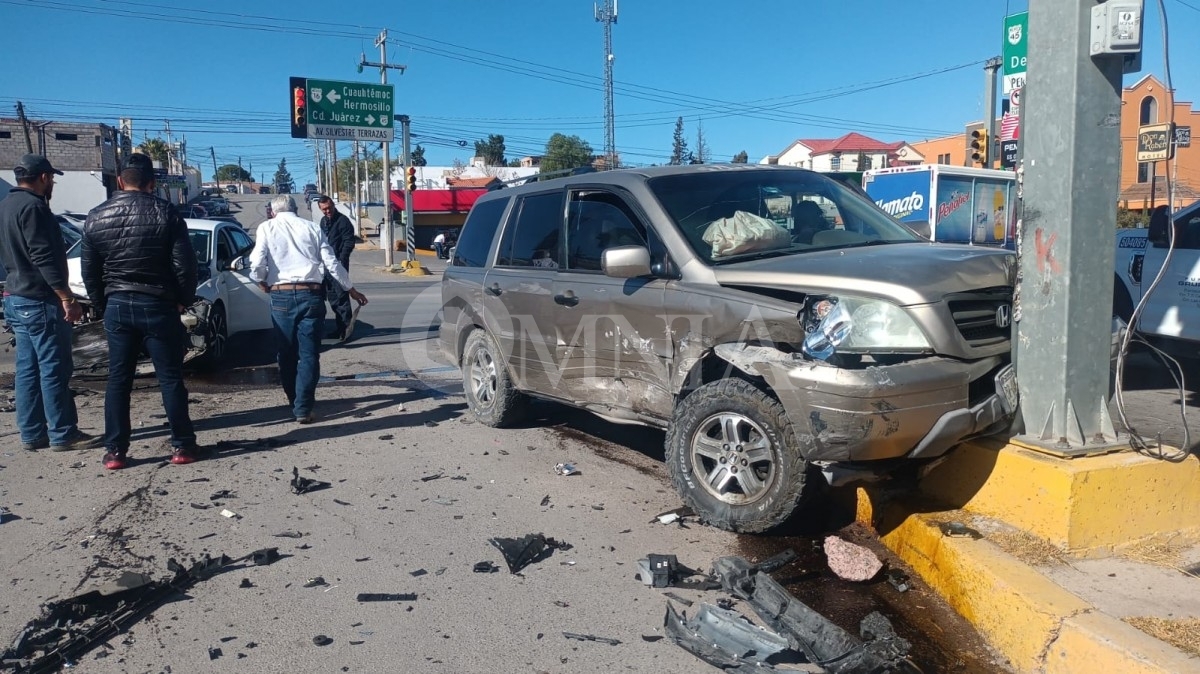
x: 949, y: 204
x: 1171, y: 317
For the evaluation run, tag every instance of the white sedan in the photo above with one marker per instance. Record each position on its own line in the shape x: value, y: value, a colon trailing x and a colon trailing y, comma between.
x: 236, y: 304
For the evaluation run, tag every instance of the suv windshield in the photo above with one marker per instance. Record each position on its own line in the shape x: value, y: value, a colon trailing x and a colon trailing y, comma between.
x: 731, y: 216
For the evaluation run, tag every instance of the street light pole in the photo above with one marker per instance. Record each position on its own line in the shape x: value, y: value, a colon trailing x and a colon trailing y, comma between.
x: 387, y: 235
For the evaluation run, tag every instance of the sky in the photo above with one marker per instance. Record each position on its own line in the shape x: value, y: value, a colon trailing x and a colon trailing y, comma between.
x: 752, y: 76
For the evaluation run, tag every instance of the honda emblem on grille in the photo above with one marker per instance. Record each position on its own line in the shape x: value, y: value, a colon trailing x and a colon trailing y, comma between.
x: 1003, y: 316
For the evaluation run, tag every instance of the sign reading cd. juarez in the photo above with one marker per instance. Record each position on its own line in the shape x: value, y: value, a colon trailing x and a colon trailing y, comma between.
x: 335, y: 110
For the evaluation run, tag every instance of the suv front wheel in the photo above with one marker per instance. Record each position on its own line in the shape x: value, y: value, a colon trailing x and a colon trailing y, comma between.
x: 488, y: 388
x: 732, y: 455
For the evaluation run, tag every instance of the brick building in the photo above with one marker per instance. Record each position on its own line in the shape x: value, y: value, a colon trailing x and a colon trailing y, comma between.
x: 85, y: 152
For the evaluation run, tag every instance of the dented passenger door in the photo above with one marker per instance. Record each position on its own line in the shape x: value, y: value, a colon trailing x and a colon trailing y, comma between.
x: 611, y: 343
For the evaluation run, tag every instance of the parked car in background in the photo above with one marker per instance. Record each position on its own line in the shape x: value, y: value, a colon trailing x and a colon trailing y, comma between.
x: 776, y: 324
x: 221, y: 203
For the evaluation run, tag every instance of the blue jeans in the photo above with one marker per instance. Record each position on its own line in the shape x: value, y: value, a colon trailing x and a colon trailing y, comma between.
x: 298, y: 316
x: 133, y: 321
x: 45, y: 407
x: 440, y: 248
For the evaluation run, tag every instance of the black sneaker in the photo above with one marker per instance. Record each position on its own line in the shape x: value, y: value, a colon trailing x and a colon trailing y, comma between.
x: 77, y: 440
x: 35, y: 445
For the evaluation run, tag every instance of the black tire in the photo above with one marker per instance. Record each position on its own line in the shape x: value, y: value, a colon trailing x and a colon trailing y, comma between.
x: 487, y: 385
x: 759, y: 490
x: 218, y: 328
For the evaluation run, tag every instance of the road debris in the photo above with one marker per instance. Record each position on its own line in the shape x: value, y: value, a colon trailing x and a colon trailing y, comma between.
x: 681, y: 600
x: 850, y: 561
x: 230, y: 514
x: 546, y: 500
x: 288, y: 534
x: 430, y: 478
x: 322, y: 640
x: 816, y: 638
x: 265, y: 556
x: 486, y: 567
x: 373, y: 596
x: 529, y: 549
x: 723, y: 638
x: 675, y: 515
x: 418, y: 573
x: 245, y: 584
x: 224, y: 493
x: 315, y: 582
x: 214, y: 653
x: 566, y: 469
x: 899, y: 580
x: 591, y: 637
x: 666, y: 571
x: 304, y: 485
x: 959, y: 530
x: 68, y: 628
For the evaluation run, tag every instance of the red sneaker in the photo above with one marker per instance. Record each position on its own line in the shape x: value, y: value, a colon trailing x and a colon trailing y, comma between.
x: 184, y: 456
x: 114, y: 461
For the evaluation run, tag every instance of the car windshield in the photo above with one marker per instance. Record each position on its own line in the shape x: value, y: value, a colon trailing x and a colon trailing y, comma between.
x: 200, y: 243
x: 732, y: 216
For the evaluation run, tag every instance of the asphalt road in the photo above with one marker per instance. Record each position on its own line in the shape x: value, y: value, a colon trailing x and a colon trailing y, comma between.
x: 415, y: 487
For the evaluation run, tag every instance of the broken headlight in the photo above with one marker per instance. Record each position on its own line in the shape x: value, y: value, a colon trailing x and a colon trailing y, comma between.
x: 859, y: 325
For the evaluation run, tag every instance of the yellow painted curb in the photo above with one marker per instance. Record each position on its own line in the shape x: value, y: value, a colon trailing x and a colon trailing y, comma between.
x: 1031, y: 620
x: 1088, y: 506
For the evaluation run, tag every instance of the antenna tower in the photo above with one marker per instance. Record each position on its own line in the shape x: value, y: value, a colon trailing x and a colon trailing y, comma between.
x: 607, y: 14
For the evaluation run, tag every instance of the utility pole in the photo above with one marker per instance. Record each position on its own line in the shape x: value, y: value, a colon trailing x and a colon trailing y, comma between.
x: 213, y: 153
x: 410, y: 239
x: 608, y: 16
x: 357, y: 194
x: 387, y: 236
x: 333, y: 167
x: 317, y: 159
x: 989, y: 107
x: 24, y: 126
x: 1071, y: 149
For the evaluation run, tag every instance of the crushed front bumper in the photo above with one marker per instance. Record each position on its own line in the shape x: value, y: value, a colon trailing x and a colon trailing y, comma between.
x: 918, y: 409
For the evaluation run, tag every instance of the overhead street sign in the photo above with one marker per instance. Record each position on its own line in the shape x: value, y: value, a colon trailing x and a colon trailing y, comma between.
x: 1016, y: 47
x: 335, y: 110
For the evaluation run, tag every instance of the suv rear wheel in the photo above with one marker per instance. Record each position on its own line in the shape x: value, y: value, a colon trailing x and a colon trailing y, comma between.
x: 486, y: 384
x: 732, y: 455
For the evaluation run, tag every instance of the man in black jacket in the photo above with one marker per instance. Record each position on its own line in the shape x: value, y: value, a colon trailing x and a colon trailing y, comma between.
x: 340, y: 233
x: 37, y: 299
x: 140, y: 272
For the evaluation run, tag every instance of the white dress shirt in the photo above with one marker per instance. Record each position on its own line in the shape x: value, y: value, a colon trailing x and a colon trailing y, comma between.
x: 290, y: 249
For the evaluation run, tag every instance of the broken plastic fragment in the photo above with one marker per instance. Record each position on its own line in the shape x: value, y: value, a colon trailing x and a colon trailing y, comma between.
x: 304, y: 485
x: 959, y: 530
x: 315, y: 582
x: 374, y: 596
x: 666, y: 571
x: 681, y: 600
x: 673, y: 515
x: 265, y: 556
x: 214, y: 653
x: 418, y: 573
x: 322, y: 640
x: 899, y: 580
x: 486, y: 567
x: 430, y: 478
x: 245, y: 583
x: 722, y: 638
x: 565, y: 469
x: 521, y: 552
x: 229, y: 513
x: 591, y: 637
x: 546, y: 500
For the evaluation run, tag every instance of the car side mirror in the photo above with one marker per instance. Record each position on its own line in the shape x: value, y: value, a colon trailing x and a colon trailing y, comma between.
x: 626, y: 262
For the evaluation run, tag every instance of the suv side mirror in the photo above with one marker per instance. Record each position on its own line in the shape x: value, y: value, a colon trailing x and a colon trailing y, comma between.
x: 626, y: 262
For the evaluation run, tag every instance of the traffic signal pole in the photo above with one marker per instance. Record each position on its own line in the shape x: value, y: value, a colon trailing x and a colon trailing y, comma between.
x: 1071, y: 161
x: 989, y: 106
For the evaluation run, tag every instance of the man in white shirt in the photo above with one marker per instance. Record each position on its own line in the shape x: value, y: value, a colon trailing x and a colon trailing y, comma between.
x: 439, y: 243
x: 289, y: 261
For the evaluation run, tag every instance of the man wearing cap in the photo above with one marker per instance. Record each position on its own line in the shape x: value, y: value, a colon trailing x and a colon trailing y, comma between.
x: 290, y: 260
x: 140, y: 272
x: 39, y: 306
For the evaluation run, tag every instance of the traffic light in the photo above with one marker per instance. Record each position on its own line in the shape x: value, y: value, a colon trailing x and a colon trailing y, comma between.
x: 299, y: 88
x: 410, y: 179
x: 979, y: 146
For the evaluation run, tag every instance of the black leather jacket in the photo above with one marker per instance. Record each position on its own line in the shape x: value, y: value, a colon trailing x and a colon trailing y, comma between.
x: 340, y: 234
x: 137, y: 242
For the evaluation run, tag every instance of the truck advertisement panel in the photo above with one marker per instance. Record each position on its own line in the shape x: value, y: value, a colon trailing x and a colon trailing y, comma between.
x: 904, y: 196
x: 972, y: 210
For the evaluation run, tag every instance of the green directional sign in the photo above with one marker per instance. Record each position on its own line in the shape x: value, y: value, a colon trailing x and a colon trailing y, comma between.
x: 1016, y: 48
x: 350, y: 110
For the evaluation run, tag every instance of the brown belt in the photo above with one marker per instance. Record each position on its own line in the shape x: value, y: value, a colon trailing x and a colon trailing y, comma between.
x: 295, y: 286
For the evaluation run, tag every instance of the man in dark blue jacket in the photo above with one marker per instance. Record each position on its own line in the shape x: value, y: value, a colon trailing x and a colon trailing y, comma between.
x: 140, y: 272
x: 340, y: 233
x: 39, y: 306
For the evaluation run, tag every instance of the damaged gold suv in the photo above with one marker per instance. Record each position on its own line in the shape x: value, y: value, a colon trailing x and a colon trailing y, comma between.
x: 775, y: 322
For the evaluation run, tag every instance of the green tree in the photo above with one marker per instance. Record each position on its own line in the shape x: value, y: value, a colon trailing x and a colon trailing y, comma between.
x: 418, y: 156
x: 283, y: 179
x: 741, y: 158
x: 679, y: 148
x: 232, y: 173
x: 369, y: 169
x: 565, y: 152
x: 156, y: 148
x: 492, y: 150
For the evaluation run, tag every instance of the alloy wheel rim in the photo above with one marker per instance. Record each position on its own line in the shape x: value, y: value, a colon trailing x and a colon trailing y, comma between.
x: 483, y: 378
x: 732, y: 458
x: 219, y: 336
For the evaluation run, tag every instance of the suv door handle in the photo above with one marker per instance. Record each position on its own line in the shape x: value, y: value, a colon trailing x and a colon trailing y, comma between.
x: 493, y: 289
x: 569, y: 299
